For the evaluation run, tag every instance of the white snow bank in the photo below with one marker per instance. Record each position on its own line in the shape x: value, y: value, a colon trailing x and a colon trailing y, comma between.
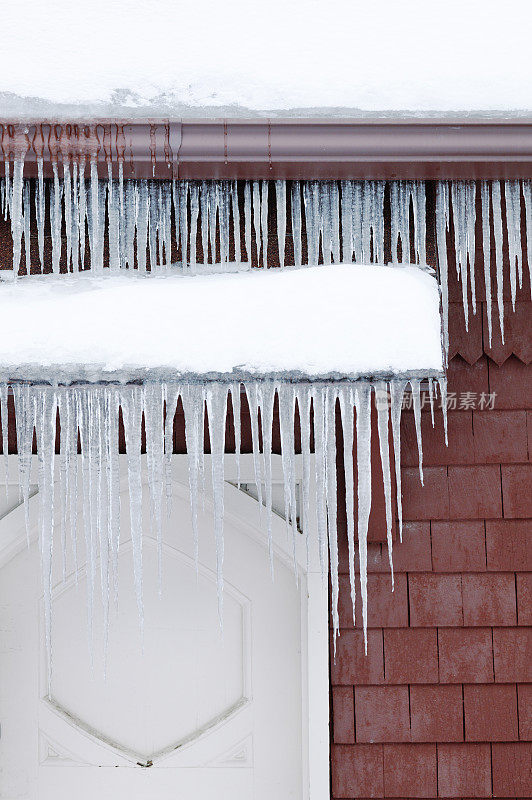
x: 334, y: 321
x: 170, y: 57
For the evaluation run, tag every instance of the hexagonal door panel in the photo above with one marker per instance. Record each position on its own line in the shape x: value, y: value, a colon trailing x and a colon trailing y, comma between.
x: 147, y: 698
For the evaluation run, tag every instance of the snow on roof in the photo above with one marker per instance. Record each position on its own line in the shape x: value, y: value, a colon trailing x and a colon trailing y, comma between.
x: 317, y: 322
x: 245, y: 57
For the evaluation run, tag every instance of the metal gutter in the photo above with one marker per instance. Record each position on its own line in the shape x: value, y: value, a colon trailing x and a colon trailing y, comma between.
x: 294, y: 149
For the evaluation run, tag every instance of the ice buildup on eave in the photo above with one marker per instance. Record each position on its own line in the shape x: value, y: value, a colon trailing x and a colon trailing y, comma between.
x: 144, y: 224
x: 318, y: 342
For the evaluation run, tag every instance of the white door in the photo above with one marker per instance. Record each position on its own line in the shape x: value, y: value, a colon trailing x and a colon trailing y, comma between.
x: 188, y: 713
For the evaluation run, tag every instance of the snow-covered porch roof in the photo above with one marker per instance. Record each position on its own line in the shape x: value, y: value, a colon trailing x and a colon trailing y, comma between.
x: 316, y: 323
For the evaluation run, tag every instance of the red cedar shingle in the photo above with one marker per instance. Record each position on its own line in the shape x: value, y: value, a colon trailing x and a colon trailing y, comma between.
x: 382, y: 714
x: 357, y: 770
x: 410, y: 655
x: 458, y: 546
x: 467, y: 343
x: 435, y: 600
x: 517, y: 339
x: 413, y: 554
x: 351, y: 665
x: 524, y: 598
x: 475, y: 492
x: 343, y: 715
x: 385, y: 608
x: 512, y: 769
x: 436, y: 713
x: 500, y: 437
x: 489, y: 599
x: 463, y: 377
x: 410, y: 770
x: 464, y: 770
x: 465, y: 655
x: 490, y: 713
x: 517, y: 490
x: 509, y: 545
x: 524, y: 694
x: 435, y: 452
x: 430, y: 501
x: 512, y: 655
x: 511, y: 383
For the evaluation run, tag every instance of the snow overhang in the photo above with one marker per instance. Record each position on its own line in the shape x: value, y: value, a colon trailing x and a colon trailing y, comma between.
x: 282, y: 148
x: 343, y: 322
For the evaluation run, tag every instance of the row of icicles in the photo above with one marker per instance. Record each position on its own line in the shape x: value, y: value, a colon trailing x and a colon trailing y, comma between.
x: 92, y: 413
x: 136, y: 222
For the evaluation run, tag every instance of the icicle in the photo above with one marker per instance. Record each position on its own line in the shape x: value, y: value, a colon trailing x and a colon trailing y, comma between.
x: 357, y: 221
x: 216, y: 396
x: 183, y: 220
x: 252, y: 398
x: 264, y: 222
x: 377, y: 220
x: 153, y: 198
x: 171, y: 397
x: 326, y: 221
x: 46, y: 421
x: 67, y: 192
x: 486, y: 244
x: 131, y: 211
x: 82, y: 210
x: 204, y: 214
x: 335, y: 222
x: 318, y: 401
x: 442, y: 226
x: 16, y: 212
x: 114, y: 211
x: 497, y: 231
x: 131, y: 402
x: 463, y: 204
x: 303, y: 402
x: 266, y: 396
x: 346, y: 407
x: 331, y: 494
x: 213, y: 211
x: 224, y: 220
x: 55, y: 219
x: 75, y: 218
x: 142, y: 224
x: 527, y: 194
x: 154, y: 422
x: 193, y: 400
x: 194, y: 213
x: 280, y: 193
x: 286, y: 395
x: 420, y: 224
x: 311, y: 221
x: 94, y: 230
x: 40, y: 208
x: 247, y: 220
x: 122, y: 257
x: 26, y: 201
x: 236, y: 220
x: 397, y: 388
x: 512, y: 193
x: 381, y: 402
x: 400, y: 193
x: 296, y: 222
x: 236, y: 406
x: 363, y: 427
x: 25, y: 416
x: 5, y: 430
x: 347, y: 221
x: 431, y: 398
x: 443, y: 394
x: 8, y: 186
x: 416, y: 396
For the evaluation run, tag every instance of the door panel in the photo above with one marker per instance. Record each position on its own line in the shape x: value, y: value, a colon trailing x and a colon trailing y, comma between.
x: 217, y: 714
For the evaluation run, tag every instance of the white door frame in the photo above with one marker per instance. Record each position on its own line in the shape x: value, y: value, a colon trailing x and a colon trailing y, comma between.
x: 315, y: 615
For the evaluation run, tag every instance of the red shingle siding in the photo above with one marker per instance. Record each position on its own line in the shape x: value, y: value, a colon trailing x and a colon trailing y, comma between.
x: 442, y: 706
